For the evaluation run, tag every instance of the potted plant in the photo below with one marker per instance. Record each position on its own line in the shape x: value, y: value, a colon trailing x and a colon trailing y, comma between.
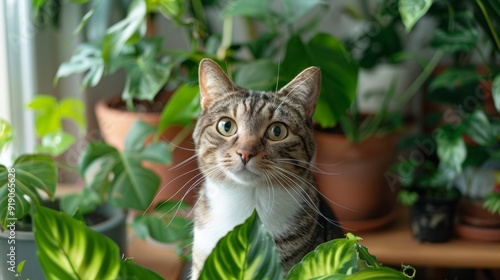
x: 152, y: 75
x: 114, y: 181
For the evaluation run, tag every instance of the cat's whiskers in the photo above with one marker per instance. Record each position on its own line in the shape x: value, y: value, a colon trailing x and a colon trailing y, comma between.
x: 310, y: 166
x: 307, y: 200
x: 270, y: 191
x: 183, y: 163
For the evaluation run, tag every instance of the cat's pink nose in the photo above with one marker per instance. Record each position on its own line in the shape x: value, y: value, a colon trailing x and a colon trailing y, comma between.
x: 245, y: 155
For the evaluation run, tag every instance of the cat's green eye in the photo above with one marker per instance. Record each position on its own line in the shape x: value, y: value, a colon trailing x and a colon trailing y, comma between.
x: 277, y: 132
x: 227, y: 127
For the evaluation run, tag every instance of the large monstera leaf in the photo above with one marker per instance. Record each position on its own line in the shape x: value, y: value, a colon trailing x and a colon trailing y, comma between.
x: 19, y: 185
x: 120, y: 176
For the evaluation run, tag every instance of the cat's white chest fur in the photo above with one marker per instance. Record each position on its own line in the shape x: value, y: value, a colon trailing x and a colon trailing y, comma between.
x: 232, y: 205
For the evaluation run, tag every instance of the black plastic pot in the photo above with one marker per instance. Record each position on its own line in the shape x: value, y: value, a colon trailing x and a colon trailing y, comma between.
x: 432, y: 219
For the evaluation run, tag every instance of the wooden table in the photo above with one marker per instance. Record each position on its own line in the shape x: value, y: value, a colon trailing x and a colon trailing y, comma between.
x: 395, y: 245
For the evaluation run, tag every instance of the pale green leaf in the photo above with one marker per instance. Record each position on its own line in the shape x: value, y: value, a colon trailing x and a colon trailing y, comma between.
x: 451, y: 148
x: 248, y: 8
x: 338, y: 256
x: 247, y: 252
x: 73, y: 109
x: 495, y: 91
x: 478, y: 127
x: 55, y: 143
x: 87, y: 58
x: 67, y: 249
x: 380, y: 273
x: 412, y: 10
x: 118, y: 34
x: 295, y: 9
x: 6, y: 134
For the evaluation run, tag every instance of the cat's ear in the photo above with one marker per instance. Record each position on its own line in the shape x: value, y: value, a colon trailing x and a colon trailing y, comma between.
x: 305, y: 88
x: 213, y: 82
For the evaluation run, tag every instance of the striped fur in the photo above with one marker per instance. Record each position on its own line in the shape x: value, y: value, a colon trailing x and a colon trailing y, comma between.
x: 253, y: 168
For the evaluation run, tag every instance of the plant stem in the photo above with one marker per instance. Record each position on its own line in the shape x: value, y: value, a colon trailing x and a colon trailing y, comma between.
x: 488, y: 21
x: 227, y: 37
x: 420, y: 80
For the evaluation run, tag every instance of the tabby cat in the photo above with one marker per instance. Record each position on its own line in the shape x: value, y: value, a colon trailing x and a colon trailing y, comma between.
x: 255, y: 149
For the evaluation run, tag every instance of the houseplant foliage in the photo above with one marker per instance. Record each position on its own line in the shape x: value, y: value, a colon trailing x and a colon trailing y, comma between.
x: 68, y: 249
x: 249, y: 244
x: 119, y: 177
x: 49, y: 116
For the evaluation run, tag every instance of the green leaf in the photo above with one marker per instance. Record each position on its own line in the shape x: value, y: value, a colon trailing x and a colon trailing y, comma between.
x: 47, y: 115
x: 182, y: 108
x: 121, y: 176
x: 257, y: 75
x: 170, y: 9
x: 295, y: 9
x: 6, y: 134
x: 88, y: 59
x: 339, y: 77
x: 495, y: 91
x: 27, y: 174
x: 247, y: 252
x: 492, y: 203
x: 456, y: 40
x: 55, y: 143
x: 337, y: 256
x: 454, y: 77
x: 478, y: 127
x: 132, y: 271
x: 67, y: 249
x: 85, y: 201
x: 137, y: 135
x: 118, y: 34
x: 163, y: 230
x: 73, y: 109
x: 248, y: 8
x: 451, y: 148
x: 380, y: 273
x: 412, y: 10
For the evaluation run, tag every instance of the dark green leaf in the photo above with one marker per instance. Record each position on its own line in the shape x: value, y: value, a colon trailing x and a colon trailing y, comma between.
x: 137, y: 135
x: 456, y: 40
x: 158, y: 152
x: 67, y: 249
x: 85, y: 201
x: 132, y: 271
x: 412, y: 10
x: 93, y: 152
x: 182, y: 108
x: 339, y: 77
x: 454, y: 77
x: 257, y: 75
x: 247, y: 252
x: 162, y: 230
x: 338, y: 256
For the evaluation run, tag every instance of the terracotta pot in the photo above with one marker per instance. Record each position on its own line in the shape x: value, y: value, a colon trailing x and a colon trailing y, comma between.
x: 472, y: 212
x: 176, y: 178
x: 353, y: 178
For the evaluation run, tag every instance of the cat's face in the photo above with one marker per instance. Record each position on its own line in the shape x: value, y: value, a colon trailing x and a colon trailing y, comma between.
x: 246, y: 137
